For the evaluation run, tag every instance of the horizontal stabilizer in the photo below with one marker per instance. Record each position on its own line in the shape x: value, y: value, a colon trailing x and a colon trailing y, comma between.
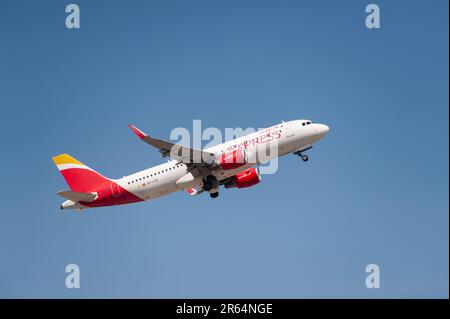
x: 77, y: 196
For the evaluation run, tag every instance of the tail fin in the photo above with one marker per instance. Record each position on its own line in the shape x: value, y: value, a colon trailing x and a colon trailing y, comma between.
x: 78, y: 176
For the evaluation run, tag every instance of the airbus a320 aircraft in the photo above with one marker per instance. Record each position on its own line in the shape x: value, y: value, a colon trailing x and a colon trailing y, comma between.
x: 230, y: 164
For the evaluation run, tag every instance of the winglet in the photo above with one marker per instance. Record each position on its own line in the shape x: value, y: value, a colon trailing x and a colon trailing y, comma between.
x: 137, y: 131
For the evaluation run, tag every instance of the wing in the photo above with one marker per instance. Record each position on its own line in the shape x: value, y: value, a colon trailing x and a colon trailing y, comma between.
x: 176, y: 151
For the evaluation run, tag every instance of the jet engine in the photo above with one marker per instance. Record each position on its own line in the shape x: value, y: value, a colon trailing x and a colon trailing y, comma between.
x: 244, y: 179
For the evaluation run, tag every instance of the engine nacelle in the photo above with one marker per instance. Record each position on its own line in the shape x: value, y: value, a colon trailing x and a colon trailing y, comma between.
x: 244, y: 179
x: 232, y: 160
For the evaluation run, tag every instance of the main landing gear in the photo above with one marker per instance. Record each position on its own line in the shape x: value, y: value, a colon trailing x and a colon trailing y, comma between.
x: 211, y: 185
x: 214, y: 195
x: 304, y: 157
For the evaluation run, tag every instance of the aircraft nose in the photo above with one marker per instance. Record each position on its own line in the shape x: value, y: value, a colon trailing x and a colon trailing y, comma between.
x: 322, y: 130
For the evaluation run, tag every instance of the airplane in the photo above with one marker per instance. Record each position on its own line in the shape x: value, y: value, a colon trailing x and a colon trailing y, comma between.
x: 231, y: 164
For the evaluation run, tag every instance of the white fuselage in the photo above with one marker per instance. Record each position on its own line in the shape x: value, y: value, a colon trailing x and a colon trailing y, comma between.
x: 166, y: 178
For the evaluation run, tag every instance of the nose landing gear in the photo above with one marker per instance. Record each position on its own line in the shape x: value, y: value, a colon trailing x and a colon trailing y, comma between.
x: 300, y: 151
x: 304, y: 157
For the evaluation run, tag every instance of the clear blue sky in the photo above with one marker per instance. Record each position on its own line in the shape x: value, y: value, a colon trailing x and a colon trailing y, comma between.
x: 374, y: 191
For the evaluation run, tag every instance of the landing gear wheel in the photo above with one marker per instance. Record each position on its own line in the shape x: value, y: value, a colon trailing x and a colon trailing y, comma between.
x: 207, y: 186
x: 214, y: 195
x: 305, y: 158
